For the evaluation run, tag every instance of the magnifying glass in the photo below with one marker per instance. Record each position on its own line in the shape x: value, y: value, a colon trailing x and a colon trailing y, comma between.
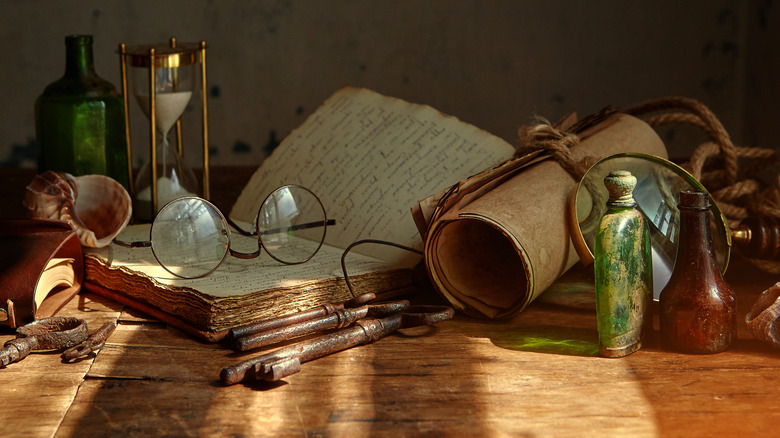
x: 659, y: 183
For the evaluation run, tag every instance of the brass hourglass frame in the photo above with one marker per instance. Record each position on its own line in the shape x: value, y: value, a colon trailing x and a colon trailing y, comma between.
x: 169, y: 55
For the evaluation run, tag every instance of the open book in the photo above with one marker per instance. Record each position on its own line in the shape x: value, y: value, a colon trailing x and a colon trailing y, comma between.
x: 369, y: 158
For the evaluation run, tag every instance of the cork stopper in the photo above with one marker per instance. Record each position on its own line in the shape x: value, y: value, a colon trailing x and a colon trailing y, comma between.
x: 620, y: 185
x: 694, y: 199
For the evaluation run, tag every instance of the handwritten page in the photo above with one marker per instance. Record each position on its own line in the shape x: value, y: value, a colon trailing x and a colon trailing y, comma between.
x: 370, y: 158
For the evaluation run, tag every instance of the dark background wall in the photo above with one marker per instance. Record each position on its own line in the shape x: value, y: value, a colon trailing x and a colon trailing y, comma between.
x: 493, y: 63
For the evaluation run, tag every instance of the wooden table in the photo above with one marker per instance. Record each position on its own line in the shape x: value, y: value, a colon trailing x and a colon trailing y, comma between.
x: 536, y: 375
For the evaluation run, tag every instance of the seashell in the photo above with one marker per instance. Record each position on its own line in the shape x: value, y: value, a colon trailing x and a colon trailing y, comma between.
x: 762, y: 320
x: 96, y: 206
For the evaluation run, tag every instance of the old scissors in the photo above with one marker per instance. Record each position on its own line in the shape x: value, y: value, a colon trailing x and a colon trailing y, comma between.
x: 287, y: 361
x: 93, y: 343
x: 53, y: 333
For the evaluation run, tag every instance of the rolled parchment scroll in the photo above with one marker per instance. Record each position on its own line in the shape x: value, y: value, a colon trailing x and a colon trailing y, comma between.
x: 496, y: 241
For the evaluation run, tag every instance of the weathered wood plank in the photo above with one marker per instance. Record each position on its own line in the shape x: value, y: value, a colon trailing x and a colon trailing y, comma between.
x: 517, y: 378
x: 536, y: 375
x: 333, y: 397
x: 38, y: 391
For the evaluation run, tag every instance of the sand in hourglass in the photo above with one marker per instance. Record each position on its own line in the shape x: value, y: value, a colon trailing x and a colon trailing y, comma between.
x: 169, y: 108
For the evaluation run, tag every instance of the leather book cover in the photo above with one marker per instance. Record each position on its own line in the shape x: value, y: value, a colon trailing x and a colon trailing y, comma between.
x: 26, y: 247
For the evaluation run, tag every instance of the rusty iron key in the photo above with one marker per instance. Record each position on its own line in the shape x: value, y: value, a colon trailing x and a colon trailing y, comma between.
x: 287, y: 361
x: 296, y: 317
x: 338, y: 319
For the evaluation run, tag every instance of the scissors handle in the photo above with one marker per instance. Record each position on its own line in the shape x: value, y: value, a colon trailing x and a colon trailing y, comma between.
x: 287, y: 360
x: 94, y: 342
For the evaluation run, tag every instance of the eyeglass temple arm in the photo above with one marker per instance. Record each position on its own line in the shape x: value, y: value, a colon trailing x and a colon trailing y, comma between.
x: 240, y: 230
x: 144, y: 244
x: 296, y: 227
x: 327, y: 222
x: 360, y: 242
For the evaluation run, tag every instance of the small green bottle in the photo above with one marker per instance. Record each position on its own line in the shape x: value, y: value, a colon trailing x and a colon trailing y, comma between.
x: 79, y: 119
x: 623, y: 269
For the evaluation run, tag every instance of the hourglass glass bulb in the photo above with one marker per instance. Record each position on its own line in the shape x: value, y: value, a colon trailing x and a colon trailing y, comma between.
x: 163, y: 90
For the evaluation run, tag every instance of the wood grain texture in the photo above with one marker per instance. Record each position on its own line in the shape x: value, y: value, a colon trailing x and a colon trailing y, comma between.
x: 537, y: 375
x: 38, y: 390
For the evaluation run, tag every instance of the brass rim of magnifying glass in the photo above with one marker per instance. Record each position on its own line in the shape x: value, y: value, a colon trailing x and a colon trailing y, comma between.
x: 165, y: 56
x: 578, y: 240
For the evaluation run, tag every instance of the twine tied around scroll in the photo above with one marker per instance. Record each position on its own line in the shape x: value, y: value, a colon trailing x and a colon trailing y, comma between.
x: 557, y: 142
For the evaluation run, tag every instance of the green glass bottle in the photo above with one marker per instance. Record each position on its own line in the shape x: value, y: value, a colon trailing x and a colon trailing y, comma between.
x: 622, y: 268
x: 79, y: 119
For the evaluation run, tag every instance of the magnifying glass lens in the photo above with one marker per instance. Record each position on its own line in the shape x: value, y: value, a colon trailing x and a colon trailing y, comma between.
x: 659, y: 183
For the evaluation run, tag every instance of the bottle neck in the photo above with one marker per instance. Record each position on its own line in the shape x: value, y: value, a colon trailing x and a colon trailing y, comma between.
x: 622, y: 202
x: 78, y: 56
x: 616, y: 205
x: 694, y: 244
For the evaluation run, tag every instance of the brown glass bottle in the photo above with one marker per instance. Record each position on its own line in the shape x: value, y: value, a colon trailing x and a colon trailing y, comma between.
x: 698, y: 307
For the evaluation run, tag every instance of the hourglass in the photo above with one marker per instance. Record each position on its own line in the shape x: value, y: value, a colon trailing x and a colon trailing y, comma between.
x: 163, y: 79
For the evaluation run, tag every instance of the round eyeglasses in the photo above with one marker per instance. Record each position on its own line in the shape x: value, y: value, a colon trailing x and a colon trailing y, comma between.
x: 190, y: 237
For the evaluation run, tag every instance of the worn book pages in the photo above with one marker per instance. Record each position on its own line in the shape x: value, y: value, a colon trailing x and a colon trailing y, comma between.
x: 370, y: 158
x: 504, y: 239
x: 240, y: 290
x: 58, y: 273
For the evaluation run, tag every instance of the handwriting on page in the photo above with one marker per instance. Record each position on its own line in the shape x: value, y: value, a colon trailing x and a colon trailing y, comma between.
x: 370, y: 158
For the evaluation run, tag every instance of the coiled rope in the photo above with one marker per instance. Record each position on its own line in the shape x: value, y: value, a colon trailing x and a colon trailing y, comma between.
x: 729, y: 172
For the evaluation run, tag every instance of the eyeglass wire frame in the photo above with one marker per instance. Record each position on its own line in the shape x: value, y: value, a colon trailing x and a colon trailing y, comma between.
x: 227, y: 223
x: 361, y: 242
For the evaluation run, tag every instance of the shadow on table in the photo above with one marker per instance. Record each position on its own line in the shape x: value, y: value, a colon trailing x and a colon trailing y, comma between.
x: 724, y: 394
x: 542, y: 328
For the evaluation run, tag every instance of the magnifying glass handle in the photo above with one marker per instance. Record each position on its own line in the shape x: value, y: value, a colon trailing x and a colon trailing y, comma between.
x: 758, y: 237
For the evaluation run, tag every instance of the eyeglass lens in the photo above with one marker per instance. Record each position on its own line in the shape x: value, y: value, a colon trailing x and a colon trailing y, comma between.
x: 291, y: 224
x: 189, y: 238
